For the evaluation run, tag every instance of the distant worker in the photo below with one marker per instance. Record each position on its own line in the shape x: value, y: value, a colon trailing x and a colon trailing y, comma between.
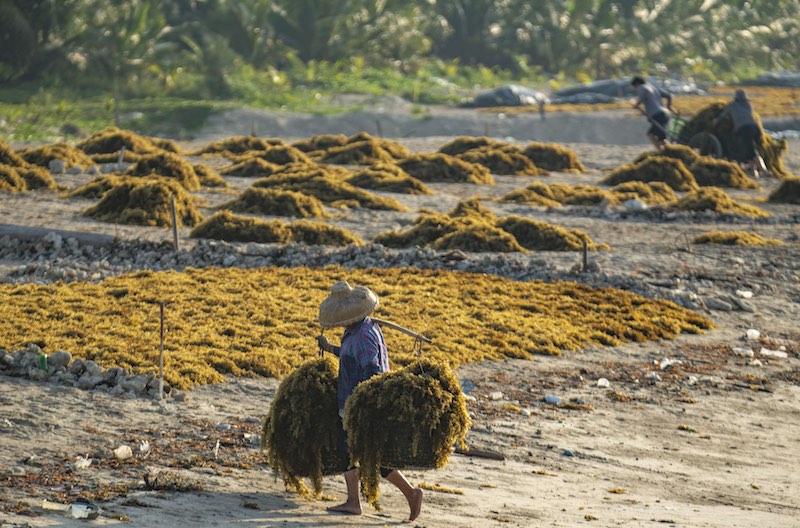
x: 650, y: 97
x: 746, y: 130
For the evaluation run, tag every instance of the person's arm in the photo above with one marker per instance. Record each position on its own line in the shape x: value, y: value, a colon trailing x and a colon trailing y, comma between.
x: 721, y: 115
x: 668, y: 96
x: 327, y: 346
x: 366, y: 350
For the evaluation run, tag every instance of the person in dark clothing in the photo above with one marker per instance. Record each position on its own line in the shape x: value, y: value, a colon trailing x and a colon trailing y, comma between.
x: 747, y: 132
x: 362, y: 355
x: 649, y: 102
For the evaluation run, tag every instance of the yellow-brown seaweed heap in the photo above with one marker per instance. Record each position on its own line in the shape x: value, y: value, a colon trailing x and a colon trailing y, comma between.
x: 243, y: 322
x: 553, y: 157
x: 145, y: 201
x: 320, y: 142
x: 276, y: 202
x: 711, y: 172
x: 15, y: 168
x: 250, y: 168
x: 787, y: 192
x: 368, y: 152
x: 463, y: 144
x: 225, y: 225
x: 389, y: 178
x: 96, y: 187
x: 9, y: 157
x: 112, y: 139
x: 208, y: 176
x: 654, y: 168
x: 408, y: 418
x: 329, y: 188
x: 277, y: 154
x: 237, y: 145
x: 472, y: 227
x: 42, y: 156
x: 445, y: 168
x: 735, y: 238
x: 687, y: 155
x: 301, y: 431
x: 502, y: 162
x: 652, y: 193
x: 717, y: 200
x: 10, y: 180
x: 166, y: 165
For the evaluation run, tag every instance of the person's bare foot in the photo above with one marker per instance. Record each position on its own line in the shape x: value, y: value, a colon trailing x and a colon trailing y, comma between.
x: 346, y: 507
x: 415, y: 503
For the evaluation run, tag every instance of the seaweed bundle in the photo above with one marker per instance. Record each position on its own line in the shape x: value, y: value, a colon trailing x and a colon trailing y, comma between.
x: 9, y: 157
x: 320, y: 142
x: 687, y: 155
x: 277, y: 154
x: 238, y: 145
x: 445, y: 168
x: 166, y: 165
x: 145, y: 201
x: 250, y: 168
x: 114, y: 157
x: 540, y: 236
x: 556, y: 194
x: 322, y: 185
x: 717, y: 200
x: 463, y: 144
x: 43, y: 155
x: 224, y: 225
x: 408, y: 418
x: 502, y: 162
x: 475, y: 235
x: 396, y: 150
x: 111, y: 140
x: 787, y: 192
x: 367, y: 152
x: 655, y: 168
x: 10, y: 180
x: 711, y: 172
x: 208, y: 176
x: 770, y: 149
x: 36, y: 177
x: 553, y: 157
x: 96, y: 187
x: 653, y: 193
x: 301, y: 431
x: 735, y: 238
x: 276, y: 202
x: 389, y: 178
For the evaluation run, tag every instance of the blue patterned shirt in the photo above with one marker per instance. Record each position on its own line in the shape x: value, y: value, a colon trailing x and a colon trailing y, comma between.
x: 361, y: 356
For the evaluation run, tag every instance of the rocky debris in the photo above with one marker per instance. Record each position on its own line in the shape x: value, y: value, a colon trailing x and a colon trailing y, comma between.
x: 59, y: 368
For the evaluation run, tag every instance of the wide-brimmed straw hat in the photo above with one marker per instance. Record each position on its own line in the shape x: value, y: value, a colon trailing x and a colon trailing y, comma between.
x: 346, y: 305
x: 740, y: 95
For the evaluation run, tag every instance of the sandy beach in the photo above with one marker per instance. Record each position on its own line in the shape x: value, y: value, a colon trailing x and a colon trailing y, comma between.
x: 695, y: 432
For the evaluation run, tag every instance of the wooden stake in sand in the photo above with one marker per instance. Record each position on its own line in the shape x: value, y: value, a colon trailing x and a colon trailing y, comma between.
x: 161, y: 355
x: 174, y: 224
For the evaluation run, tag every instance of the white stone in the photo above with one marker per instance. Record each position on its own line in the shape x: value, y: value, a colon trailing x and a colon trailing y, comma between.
x: 496, y: 395
x: 773, y: 353
x: 603, y: 383
x: 753, y: 334
x: 123, y: 452
x: 744, y: 294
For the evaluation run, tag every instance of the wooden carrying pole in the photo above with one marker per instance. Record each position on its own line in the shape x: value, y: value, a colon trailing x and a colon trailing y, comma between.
x: 395, y: 326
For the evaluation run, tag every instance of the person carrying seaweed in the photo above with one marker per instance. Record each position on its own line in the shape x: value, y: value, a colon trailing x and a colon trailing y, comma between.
x: 362, y: 355
x: 649, y: 97
x: 746, y: 130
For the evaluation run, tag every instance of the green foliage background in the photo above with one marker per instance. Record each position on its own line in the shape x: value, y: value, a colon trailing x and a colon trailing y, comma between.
x: 84, y: 58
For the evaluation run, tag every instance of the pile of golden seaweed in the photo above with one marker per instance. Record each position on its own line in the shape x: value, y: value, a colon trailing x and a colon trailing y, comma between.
x: 245, y: 322
x: 250, y: 168
x: 553, y: 157
x: 277, y: 154
x: 358, y: 149
x: 735, y: 238
x: 224, y: 225
x: 43, y: 155
x: 389, y: 178
x: 145, y: 201
x: 557, y: 194
x: 168, y: 166
x: 787, y: 192
x: 472, y: 227
x: 502, y: 161
x: 652, y: 169
x: 208, y: 176
x: 17, y: 175
x: 276, y: 202
x: 97, y: 187
x: 301, y: 431
x: 717, y: 200
x: 328, y: 187
x: 545, y: 156
x: 445, y: 168
x: 770, y: 149
x: 112, y: 139
x: 320, y: 142
x: 707, y: 171
x: 408, y: 418
x: 238, y: 145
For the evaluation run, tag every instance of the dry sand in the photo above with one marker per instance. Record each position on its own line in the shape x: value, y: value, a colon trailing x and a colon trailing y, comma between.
x: 714, y: 442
